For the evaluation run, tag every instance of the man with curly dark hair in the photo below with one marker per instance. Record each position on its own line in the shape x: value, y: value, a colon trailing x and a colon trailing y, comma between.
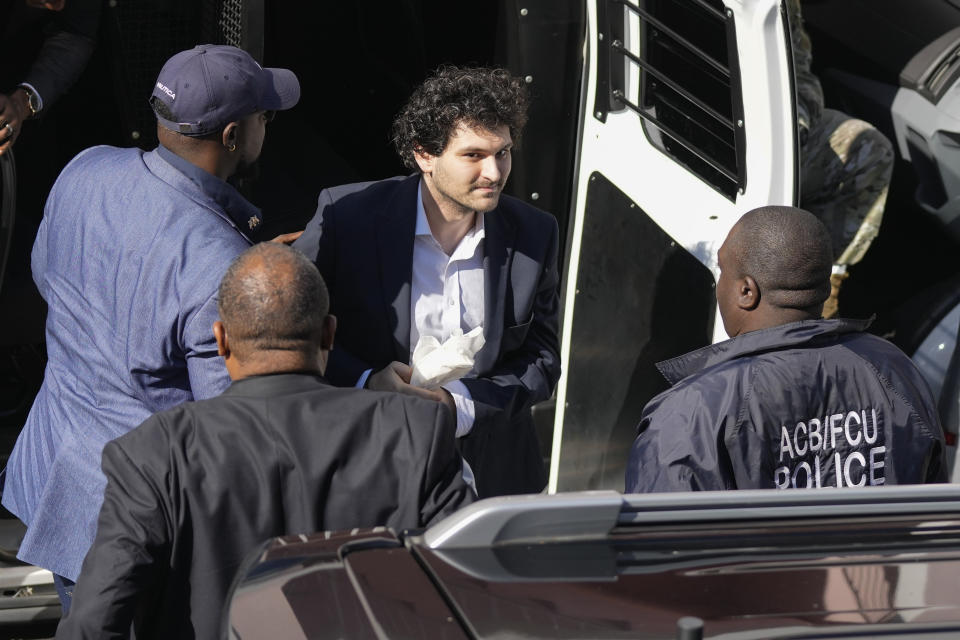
x: 443, y: 251
x: 485, y: 98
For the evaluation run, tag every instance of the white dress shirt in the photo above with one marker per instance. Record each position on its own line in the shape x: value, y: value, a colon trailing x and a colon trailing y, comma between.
x: 447, y: 293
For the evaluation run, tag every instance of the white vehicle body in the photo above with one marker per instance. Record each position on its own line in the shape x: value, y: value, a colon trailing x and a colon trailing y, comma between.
x: 694, y: 214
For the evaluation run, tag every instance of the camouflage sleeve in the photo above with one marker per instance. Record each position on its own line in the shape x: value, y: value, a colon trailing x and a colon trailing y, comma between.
x: 845, y: 170
x: 809, y: 92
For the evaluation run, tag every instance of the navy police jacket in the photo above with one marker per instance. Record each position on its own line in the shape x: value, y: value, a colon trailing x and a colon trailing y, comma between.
x: 816, y: 404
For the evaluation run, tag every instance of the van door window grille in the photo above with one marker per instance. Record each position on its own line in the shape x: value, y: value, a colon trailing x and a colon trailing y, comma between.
x: 142, y: 35
x: 674, y: 62
x: 223, y: 22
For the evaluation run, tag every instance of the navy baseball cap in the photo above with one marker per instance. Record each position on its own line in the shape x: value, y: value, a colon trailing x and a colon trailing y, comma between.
x: 212, y: 85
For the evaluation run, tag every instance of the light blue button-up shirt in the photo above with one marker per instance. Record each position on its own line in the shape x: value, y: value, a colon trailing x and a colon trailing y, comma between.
x: 128, y: 256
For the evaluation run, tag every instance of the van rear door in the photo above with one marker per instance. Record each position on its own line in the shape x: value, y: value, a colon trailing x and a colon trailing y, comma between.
x: 686, y: 122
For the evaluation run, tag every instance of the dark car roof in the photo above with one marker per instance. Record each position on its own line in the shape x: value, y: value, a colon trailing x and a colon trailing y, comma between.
x: 758, y: 564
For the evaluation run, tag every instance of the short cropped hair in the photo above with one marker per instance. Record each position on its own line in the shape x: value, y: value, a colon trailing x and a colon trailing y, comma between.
x: 788, y: 253
x: 475, y: 96
x: 273, y: 298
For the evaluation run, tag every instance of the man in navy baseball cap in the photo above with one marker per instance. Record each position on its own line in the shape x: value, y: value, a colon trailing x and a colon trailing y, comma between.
x: 139, y: 240
x: 212, y: 103
x: 209, y: 86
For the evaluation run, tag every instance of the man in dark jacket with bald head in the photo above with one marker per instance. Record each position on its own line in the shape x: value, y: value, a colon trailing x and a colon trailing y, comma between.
x: 791, y: 400
x: 193, y: 489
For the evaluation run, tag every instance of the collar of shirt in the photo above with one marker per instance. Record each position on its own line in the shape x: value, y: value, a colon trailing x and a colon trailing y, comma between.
x: 785, y: 335
x: 468, y: 245
x: 446, y: 292
x: 245, y: 215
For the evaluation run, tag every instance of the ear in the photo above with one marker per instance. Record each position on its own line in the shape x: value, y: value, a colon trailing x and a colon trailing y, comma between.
x: 748, y: 293
x: 329, y: 329
x: 424, y: 160
x: 231, y: 135
x: 220, y: 335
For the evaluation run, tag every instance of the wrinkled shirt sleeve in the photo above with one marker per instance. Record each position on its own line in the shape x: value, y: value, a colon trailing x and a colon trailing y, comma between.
x: 466, y: 413
x: 205, y: 367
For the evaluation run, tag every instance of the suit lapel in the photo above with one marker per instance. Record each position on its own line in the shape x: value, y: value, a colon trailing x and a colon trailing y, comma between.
x: 499, y: 232
x: 395, y: 236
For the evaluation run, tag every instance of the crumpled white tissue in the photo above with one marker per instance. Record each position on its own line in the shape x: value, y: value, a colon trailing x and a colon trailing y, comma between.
x: 435, y: 364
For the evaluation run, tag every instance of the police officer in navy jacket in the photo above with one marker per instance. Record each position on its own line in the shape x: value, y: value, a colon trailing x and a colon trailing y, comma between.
x: 791, y: 400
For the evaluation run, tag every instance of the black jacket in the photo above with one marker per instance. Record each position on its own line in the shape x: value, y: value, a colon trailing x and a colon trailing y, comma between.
x: 362, y: 239
x: 788, y: 407
x: 192, y: 490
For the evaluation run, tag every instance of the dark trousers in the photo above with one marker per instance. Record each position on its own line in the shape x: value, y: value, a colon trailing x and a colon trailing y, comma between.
x: 65, y: 591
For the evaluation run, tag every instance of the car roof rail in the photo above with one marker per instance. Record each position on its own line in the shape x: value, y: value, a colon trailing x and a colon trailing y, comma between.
x: 581, y: 514
x: 767, y: 504
x: 593, y: 514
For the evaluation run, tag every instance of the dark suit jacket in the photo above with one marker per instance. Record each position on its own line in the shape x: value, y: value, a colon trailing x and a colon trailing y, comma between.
x: 192, y: 490
x: 362, y: 240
